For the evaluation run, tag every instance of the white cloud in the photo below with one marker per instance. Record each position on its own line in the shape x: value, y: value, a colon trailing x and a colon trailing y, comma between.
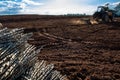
x: 55, y: 7
x: 9, y: 7
x: 64, y: 7
x: 15, y: 7
x: 116, y: 3
x: 30, y: 2
x: 112, y: 5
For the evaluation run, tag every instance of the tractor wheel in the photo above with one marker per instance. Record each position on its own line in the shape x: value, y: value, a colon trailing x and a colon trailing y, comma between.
x: 96, y: 16
x: 105, y: 18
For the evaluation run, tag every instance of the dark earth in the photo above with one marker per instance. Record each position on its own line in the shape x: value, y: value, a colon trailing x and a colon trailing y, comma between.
x: 79, y: 51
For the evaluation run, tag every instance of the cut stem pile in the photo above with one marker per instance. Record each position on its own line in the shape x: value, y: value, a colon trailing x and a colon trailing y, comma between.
x: 19, y: 61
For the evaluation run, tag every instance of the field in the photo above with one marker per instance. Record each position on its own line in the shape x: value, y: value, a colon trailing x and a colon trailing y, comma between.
x: 80, y: 51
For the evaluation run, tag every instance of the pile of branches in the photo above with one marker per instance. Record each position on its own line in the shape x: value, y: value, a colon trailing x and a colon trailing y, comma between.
x: 19, y: 61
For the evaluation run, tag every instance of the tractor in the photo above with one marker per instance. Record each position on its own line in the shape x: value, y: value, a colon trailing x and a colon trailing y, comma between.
x: 103, y: 14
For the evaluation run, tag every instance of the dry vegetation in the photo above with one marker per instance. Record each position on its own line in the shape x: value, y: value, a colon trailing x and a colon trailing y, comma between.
x: 79, y: 51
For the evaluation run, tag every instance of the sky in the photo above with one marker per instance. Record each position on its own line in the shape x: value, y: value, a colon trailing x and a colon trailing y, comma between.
x: 51, y: 7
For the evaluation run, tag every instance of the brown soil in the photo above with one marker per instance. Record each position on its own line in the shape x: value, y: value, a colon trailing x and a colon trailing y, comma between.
x: 81, y: 52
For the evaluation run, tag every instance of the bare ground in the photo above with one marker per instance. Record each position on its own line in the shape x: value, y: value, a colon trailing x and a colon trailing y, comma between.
x: 82, y: 52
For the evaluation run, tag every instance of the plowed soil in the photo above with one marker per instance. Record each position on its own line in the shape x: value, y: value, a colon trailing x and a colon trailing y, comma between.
x: 81, y: 52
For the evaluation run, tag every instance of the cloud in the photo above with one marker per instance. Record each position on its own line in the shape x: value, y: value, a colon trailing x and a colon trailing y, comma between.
x: 117, y: 6
x: 49, y: 7
x: 112, y: 5
x: 8, y: 7
x: 30, y: 2
x: 58, y: 7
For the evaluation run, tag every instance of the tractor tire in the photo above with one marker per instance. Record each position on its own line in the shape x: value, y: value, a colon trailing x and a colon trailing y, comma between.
x: 105, y: 18
x: 96, y: 16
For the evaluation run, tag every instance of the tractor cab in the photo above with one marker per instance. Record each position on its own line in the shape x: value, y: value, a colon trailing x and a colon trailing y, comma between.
x: 103, y: 13
x: 102, y: 9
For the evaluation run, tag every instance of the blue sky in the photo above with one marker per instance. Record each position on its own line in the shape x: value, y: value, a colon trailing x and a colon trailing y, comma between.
x: 54, y: 7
